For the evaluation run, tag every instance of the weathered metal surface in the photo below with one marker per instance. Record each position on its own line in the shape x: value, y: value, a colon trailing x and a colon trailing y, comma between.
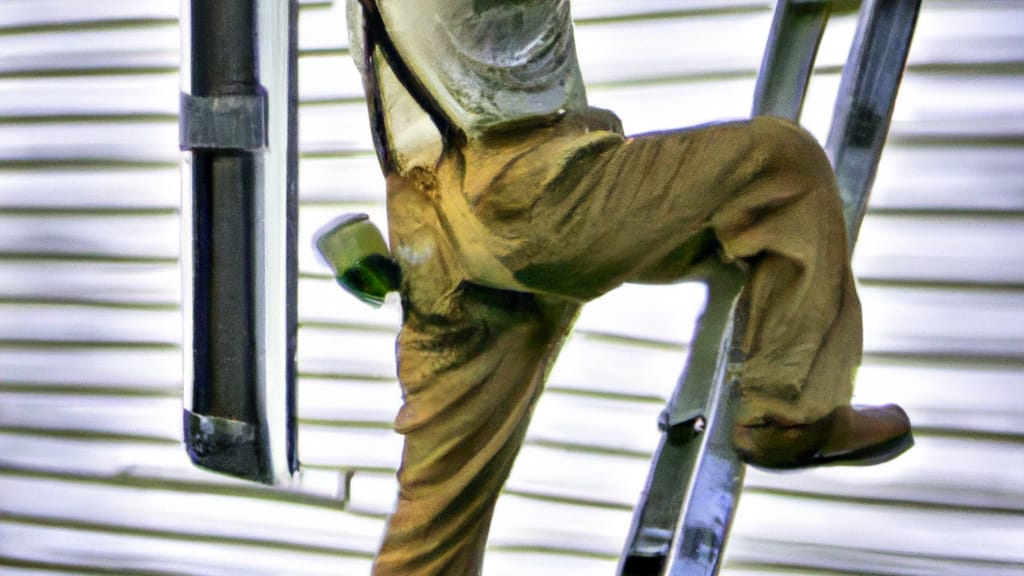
x: 240, y: 221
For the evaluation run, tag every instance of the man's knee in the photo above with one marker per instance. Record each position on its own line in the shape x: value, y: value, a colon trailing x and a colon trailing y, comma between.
x: 796, y: 171
x: 787, y: 146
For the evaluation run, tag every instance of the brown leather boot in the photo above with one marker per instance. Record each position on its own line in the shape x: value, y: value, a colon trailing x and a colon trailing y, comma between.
x: 849, y: 435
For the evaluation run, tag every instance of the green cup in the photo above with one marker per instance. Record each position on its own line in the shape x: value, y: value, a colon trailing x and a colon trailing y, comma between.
x: 355, y: 250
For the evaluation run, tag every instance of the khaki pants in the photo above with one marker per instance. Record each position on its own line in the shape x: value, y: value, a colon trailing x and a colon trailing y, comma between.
x: 501, y: 243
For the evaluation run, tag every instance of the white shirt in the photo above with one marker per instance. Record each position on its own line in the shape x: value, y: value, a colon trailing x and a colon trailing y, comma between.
x: 485, y: 62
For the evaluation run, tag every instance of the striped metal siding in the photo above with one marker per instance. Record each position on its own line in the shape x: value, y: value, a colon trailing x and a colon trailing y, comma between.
x: 92, y: 476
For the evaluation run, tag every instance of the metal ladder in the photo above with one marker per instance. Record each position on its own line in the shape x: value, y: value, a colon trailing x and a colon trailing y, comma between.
x: 682, y: 521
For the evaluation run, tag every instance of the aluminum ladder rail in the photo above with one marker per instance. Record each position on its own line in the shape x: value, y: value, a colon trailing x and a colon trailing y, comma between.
x: 682, y: 521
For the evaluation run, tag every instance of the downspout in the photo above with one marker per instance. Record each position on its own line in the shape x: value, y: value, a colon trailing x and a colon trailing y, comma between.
x: 239, y: 235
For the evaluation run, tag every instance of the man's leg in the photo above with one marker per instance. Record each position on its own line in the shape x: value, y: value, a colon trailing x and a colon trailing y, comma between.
x: 646, y: 208
x: 469, y: 389
x: 471, y: 362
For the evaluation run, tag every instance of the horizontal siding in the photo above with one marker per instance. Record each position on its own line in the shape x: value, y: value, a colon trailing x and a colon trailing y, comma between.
x: 93, y: 479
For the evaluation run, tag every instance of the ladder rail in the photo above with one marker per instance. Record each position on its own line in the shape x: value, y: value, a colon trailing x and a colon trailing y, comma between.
x: 866, y: 101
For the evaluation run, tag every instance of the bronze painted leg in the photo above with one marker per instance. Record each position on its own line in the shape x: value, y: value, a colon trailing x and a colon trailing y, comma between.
x: 644, y: 209
x: 471, y: 362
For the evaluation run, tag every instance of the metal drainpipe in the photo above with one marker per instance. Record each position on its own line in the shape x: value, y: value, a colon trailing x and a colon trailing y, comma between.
x: 239, y: 231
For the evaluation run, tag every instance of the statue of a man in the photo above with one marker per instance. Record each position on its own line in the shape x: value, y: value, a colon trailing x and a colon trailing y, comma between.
x: 511, y: 202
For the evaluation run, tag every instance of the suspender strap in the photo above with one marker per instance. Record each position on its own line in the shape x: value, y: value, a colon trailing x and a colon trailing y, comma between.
x: 376, y: 36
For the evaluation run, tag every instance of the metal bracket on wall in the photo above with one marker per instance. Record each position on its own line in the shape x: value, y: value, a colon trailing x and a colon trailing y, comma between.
x: 231, y: 122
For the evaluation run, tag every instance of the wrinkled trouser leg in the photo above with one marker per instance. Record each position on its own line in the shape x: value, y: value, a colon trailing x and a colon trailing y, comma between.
x: 461, y: 438
x: 471, y: 362
x: 646, y: 208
